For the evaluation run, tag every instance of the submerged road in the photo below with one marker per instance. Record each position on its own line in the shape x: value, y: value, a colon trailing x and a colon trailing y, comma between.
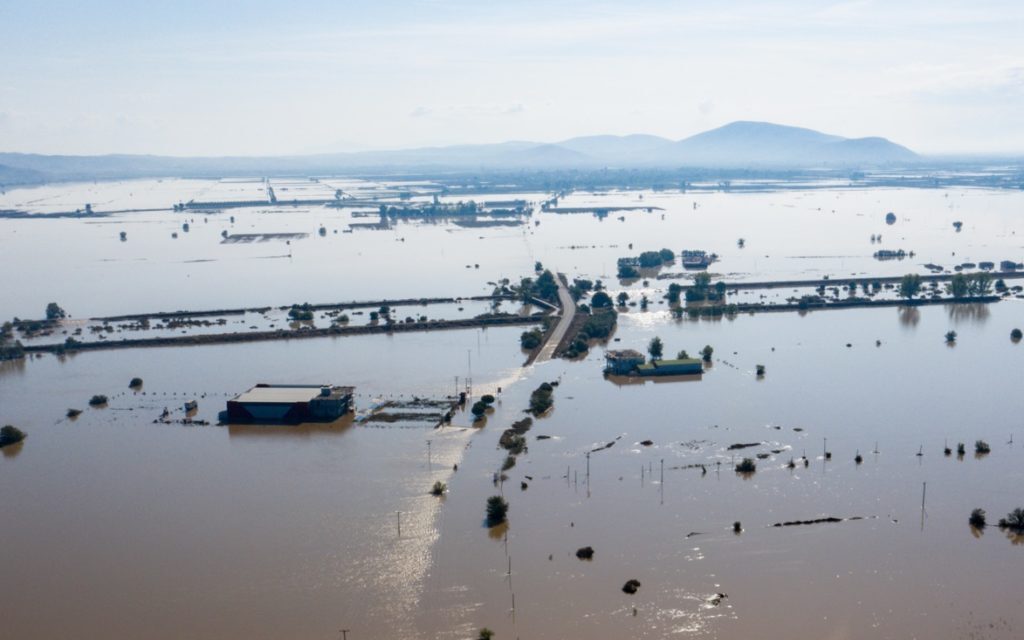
x: 547, y: 350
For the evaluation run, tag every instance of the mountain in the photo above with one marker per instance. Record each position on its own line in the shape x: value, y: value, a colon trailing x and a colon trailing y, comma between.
x: 19, y: 175
x: 766, y: 144
x: 610, y: 147
x: 740, y: 144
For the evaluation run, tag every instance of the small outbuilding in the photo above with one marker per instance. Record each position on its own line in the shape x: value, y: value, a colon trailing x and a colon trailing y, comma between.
x: 622, y: 362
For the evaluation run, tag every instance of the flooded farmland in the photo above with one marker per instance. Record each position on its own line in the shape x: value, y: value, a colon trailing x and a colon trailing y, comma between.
x: 129, y: 528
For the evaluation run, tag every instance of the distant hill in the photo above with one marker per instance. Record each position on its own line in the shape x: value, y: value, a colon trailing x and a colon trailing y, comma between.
x: 765, y: 144
x: 634, y: 146
x: 736, y: 145
x: 18, y: 175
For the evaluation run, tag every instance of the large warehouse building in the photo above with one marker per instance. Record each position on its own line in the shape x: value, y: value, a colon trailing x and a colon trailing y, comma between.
x: 290, y: 403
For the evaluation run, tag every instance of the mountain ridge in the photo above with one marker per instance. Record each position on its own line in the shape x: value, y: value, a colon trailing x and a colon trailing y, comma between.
x: 735, y: 145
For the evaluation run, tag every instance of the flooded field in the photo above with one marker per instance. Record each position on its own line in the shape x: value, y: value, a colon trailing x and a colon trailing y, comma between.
x: 126, y: 527
x: 787, y: 235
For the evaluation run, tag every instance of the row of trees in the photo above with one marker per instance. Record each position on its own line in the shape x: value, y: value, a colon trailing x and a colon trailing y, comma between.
x: 630, y: 267
x: 960, y: 285
x: 656, y: 349
x: 544, y: 287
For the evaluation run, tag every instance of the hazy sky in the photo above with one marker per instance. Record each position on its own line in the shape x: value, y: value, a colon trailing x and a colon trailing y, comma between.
x: 260, y: 77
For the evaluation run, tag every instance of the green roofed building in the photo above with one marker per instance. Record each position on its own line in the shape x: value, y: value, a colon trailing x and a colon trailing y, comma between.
x: 671, y: 367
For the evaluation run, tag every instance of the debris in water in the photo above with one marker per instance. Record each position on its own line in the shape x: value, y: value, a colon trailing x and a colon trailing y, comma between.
x: 742, y: 445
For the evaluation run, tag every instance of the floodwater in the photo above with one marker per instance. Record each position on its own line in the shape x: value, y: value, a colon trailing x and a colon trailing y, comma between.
x: 128, y: 529
x: 787, y: 234
x: 122, y: 528
x: 898, y: 573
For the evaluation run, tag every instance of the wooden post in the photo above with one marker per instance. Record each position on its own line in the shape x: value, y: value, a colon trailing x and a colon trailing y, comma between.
x: 398, y: 514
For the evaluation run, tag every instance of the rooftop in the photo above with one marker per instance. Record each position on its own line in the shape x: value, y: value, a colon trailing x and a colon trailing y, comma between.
x: 289, y: 393
x: 624, y: 354
x: 654, y: 364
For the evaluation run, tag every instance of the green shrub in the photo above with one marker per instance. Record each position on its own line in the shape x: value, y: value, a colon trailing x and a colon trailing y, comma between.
x: 531, y: 339
x: 478, y: 409
x: 1013, y: 520
x: 977, y: 518
x: 497, y: 510
x: 600, y: 300
x: 515, y: 444
x: 54, y: 312
x: 541, y: 399
x: 10, y: 434
x: 747, y: 465
x: 301, y: 312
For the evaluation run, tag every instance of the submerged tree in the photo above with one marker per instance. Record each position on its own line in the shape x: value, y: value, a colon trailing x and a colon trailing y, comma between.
x: 600, y: 300
x: 1013, y: 520
x: 55, y: 312
x: 497, y: 510
x: 910, y: 285
x: 977, y: 518
x: 10, y: 434
x: 655, y: 348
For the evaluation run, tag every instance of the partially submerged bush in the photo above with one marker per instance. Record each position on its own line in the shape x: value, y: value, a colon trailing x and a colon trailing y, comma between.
x: 478, y: 409
x: 747, y: 465
x: 1016, y: 335
x: 301, y: 312
x: 10, y: 434
x: 961, y: 449
x: 980, y: 446
x: 1013, y: 521
x: 438, y: 489
x: 510, y: 461
x: 97, y: 400
x: 585, y: 553
x: 531, y: 339
x: 515, y: 444
x: 540, y: 399
x: 484, y: 634
x: 977, y: 518
x: 950, y: 337
x: 135, y: 383
x: 631, y: 586
x: 497, y: 510
x: 55, y: 312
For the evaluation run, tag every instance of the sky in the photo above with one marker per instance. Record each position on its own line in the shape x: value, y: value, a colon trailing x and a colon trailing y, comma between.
x: 274, y: 78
